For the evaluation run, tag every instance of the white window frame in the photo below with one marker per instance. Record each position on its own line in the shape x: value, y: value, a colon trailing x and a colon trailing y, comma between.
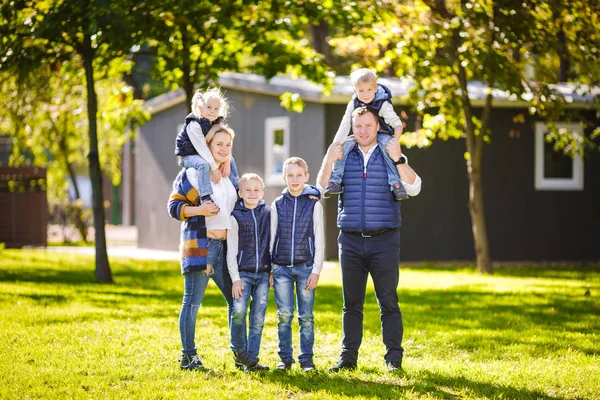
x: 271, y: 125
x: 574, y: 183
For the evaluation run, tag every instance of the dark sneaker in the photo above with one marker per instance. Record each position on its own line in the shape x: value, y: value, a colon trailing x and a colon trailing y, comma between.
x: 245, y: 358
x: 393, y: 366
x: 238, y: 364
x: 257, y: 368
x: 206, y: 198
x: 399, y: 192
x: 343, y: 365
x: 307, y: 366
x: 191, y: 362
x: 285, y: 365
x: 332, y: 188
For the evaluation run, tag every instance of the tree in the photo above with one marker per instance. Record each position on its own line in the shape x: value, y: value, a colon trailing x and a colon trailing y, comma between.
x: 196, y: 40
x: 87, y: 34
x: 442, y: 45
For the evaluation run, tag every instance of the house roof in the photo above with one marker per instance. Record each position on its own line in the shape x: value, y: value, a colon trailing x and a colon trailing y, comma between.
x: 577, y: 96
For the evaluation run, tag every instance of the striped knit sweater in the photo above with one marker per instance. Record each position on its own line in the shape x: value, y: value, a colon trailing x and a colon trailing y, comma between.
x: 193, y: 242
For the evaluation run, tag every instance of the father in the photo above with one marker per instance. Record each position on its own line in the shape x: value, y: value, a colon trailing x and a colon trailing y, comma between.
x: 369, y: 241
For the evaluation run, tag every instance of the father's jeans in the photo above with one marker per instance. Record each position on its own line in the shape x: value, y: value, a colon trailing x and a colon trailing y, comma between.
x: 256, y: 287
x: 284, y: 278
x: 194, y: 287
x: 378, y: 255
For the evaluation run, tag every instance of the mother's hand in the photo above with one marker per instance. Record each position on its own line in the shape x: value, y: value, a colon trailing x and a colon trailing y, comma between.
x: 208, y: 209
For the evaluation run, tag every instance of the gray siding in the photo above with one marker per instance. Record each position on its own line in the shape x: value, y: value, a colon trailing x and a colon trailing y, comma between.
x: 157, y: 165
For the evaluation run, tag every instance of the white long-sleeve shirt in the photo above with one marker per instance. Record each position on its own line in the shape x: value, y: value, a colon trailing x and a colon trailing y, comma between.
x: 318, y: 231
x: 232, y: 249
x: 386, y: 112
x: 224, y: 195
x: 199, y: 141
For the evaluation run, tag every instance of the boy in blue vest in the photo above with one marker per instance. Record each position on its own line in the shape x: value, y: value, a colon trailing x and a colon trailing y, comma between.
x: 378, y: 98
x: 249, y: 265
x: 297, y: 243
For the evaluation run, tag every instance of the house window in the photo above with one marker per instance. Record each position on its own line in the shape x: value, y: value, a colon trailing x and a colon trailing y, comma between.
x: 277, y: 148
x: 555, y: 171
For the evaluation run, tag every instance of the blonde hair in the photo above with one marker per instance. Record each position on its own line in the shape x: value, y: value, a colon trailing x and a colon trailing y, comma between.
x: 216, y: 129
x: 363, y: 75
x: 250, y: 177
x: 295, y: 160
x: 201, y: 98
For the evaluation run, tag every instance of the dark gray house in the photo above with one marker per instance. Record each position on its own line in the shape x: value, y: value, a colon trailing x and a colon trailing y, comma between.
x: 539, y: 205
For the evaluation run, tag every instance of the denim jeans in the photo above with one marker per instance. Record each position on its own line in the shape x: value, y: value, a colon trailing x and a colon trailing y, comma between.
x: 203, y: 168
x: 379, y: 256
x: 194, y: 287
x: 284, y: 280
x: 382, y: 140
x: 256, y: 290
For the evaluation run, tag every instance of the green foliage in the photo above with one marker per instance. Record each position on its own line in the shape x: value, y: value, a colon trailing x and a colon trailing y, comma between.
x: 497, y: 43
x: 47, y: 119
x: 526, y: 333
x: 292, y: 101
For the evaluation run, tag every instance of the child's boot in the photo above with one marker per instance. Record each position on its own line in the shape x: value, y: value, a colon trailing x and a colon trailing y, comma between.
x: 332, y: 189
x: 399, y: 192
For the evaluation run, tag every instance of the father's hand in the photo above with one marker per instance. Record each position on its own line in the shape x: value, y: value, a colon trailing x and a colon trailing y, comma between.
x: 393, y: 149
x: 334, y: 152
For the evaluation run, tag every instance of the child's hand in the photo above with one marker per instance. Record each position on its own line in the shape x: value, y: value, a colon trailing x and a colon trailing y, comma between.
x: 271, y: 280
x: 209, y: 269
x: 393, y: 149
x: 237, y: 289
x: 334, y: 152
x: 313, y: 197
x: 215, y: 175
x: 312, y: 281
x: 225, y: 169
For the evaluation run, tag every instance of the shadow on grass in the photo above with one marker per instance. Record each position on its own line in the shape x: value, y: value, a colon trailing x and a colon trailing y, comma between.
x: 574, y: 271
x: 396, y: 386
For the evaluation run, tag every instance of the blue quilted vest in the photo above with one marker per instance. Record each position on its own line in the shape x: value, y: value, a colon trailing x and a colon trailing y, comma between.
x: 254, y: 237
x: 183, y: 144
x: 367, y: 204
x: 383, y: 95
x: 295, y: 239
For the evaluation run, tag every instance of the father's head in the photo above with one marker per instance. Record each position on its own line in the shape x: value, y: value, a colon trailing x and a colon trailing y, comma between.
x: 365, y: 126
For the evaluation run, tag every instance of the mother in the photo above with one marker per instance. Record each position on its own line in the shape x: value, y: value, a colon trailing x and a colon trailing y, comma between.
x: 202, y: 244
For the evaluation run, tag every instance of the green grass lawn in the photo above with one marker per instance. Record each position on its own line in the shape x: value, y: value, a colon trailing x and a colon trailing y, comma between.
x: 524, y: 333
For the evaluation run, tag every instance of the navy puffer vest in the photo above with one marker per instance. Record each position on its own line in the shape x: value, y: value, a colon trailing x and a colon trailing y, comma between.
x: 295, y: 239
x: 183, y: 144
x: 254, y: 236
x: 383, y: 95
x: 367, y: 204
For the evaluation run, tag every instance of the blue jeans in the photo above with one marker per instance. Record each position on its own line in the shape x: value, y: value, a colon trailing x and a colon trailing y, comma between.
x: 378, y: 256
x: 204, y: 186
x: 382, y: 140
x: 256, y: 289
x: 284, y: 280
x: 194, y: 287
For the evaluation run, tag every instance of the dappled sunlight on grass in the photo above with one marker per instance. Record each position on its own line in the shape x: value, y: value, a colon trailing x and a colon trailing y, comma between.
x: 531, y: 334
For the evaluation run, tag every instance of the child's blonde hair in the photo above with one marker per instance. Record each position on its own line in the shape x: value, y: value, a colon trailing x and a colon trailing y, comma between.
x: 249, y: 177
x: 363, y: 75
x: 216, y: 129
x: 200, y: 98
x: 295, y: 160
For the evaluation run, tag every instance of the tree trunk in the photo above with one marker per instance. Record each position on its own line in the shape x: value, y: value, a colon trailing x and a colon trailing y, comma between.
x: 475, y: 147
x: 319, y: 35
x: 103, y: 273
x: 188, y: 85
